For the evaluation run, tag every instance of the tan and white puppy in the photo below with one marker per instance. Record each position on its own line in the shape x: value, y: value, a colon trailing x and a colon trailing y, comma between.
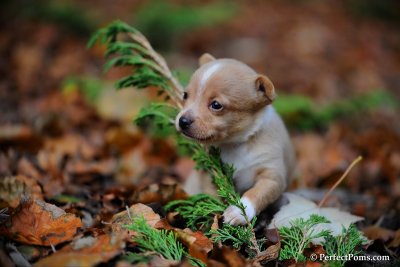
x: 228, y: 105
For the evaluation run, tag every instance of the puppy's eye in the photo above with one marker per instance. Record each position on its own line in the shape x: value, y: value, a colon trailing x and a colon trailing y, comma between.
x: 215, y: 105
x: 185, y: 95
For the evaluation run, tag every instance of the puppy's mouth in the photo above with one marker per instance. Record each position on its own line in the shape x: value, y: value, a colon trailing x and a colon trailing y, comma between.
x: 198, y: 138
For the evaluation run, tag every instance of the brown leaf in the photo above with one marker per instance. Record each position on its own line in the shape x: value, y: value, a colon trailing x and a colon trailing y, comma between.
x: 15, y: 133
x: 215, y: 226
x: 376, y: 232
x: 86, y: 251
x: 162, y: 193
x: 39, y: 223
x: 79, y: 167
x: 232, y: 257
x: 198, y: 244
x: 16, y: 188
x: 125, y: 218
x: 313, y: 264
x: 271, y: 253
x: 395, y: 243
x: 316, y: 250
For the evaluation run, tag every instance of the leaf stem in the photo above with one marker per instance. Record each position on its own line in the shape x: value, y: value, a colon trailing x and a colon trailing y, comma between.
x: 322, y: 202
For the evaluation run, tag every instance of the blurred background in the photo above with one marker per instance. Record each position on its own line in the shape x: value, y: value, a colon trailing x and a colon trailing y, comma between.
x: 335, y: 64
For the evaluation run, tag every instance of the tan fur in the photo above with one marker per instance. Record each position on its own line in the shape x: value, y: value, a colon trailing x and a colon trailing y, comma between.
x: 249, y: 132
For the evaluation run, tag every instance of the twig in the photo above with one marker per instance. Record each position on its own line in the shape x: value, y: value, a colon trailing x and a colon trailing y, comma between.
x: 129, y: 212
x: 322, y: 202
x: 53, y: 248
x: 253, y: 238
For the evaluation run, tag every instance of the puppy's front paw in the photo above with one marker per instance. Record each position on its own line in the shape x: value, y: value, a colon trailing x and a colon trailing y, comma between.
x: 233, y: 215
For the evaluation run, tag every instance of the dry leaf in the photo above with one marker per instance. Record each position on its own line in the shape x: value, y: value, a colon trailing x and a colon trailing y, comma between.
x: 86, y: 251
x: 161, y: 193
x: 16, y: 188
x: 18, y: 132
x: 197, y: 243
x: 79, y: 167
x: 232, y: 257
x: 395, y: 243
x: 125, y: 218
x: 376, y: 232
x: 271, y: 253
x: 39, y: 223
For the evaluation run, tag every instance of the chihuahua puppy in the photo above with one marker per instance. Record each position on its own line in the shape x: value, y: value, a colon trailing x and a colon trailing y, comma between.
x: 228, y: 105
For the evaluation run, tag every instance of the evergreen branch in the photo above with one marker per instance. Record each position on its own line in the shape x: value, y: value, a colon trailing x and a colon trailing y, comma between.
x: 138, y: 54
x: 161, y: 114
x: 162, y: 242
x: 222, y: 176
x: 125, y: 49
x: 344, y: 244
x: 198, y: 211
x: 237, y: 235
x: 294, y: 239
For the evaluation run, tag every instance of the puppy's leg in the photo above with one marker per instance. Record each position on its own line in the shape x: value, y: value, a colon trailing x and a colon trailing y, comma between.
x: 268, y: 187
x: 199, y: 182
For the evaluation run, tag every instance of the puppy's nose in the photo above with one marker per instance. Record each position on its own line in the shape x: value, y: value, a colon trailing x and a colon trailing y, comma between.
x: 184, y: 122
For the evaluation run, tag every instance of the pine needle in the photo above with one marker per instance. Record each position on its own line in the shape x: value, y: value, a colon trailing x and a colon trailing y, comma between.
x: 162, y: 242
x: 198, y: 211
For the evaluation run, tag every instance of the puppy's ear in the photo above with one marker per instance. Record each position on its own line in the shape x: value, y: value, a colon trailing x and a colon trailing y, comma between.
x: 205, y: 58
x: 265, y: 86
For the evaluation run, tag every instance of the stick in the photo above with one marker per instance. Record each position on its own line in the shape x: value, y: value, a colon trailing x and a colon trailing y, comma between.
x: 322, y: 202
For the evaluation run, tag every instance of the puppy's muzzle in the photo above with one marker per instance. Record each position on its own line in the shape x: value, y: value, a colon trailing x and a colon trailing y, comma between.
x: 185, y: 122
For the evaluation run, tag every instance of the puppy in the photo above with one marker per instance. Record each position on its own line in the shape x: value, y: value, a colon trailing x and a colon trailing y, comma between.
x: 228, y: 105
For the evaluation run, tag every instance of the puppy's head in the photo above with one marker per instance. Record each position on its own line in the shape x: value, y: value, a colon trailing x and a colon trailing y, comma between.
x: 222, y: 100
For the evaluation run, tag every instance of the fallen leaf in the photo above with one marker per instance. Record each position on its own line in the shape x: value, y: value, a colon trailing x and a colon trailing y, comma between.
x: 39, y: 223
x: 376, y: 232
x: 197, y: 243
x: 123, y: 218
x: 18, y: 132
x: 232, y: 257
x: 14, y: 189
x: 395, y: 243
x: 85, y: 251
x: 271, y: 253
x: 161, y: 193
x: 299, y: 207
x: 79, y: 167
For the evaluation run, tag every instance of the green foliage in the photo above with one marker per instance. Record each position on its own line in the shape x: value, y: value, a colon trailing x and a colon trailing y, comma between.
x: 163, y: 28
x: 108, y: 35
x: 234, y: 235
x: 161, y: 242
x: 198, y: 211
x: 297, y: 237
x: 221, y: 174
x: 148, y: 68
x: 137, y: 258
x: 343, y: 245
x: 158, y: 119
x: 301, y: 113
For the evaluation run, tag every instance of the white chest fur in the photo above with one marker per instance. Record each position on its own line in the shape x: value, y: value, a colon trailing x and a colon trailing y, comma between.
x: 245, y: 158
